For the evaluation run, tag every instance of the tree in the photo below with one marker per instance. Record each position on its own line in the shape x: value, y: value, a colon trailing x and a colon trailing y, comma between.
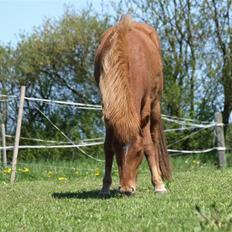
x: 56, y: 62
x: 196, y: 40
x: 218, y: 24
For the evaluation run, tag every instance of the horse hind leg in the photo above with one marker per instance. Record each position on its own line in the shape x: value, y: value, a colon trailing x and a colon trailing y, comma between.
x: 158, y: 138
x: 150, y: 150
x: 109, y: 154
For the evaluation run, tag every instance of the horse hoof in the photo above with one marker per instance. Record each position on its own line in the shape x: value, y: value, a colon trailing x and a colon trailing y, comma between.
x: 161, y: 191
x: 104, y: 194
x: 127, y: 190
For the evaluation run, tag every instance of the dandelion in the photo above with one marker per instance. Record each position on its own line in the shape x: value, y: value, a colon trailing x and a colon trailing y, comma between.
x: 97, y: 173
x: 50, y: 173
x: 24, y: 170
x: 194, y: 161
x: 62, y: 178
x: 7, y: 170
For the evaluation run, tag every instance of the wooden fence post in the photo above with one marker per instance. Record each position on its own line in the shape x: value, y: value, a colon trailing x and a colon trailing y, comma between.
x: 3, y: 116
x: 220, y: 139
x: 4, y: 144
x: 17, y: 135
x: 0, y: 156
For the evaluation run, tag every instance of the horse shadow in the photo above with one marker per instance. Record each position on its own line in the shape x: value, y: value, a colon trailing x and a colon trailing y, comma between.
x: 92, y: 194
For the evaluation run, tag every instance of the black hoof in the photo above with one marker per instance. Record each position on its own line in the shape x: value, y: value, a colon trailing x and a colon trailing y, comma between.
x: 104, y: 194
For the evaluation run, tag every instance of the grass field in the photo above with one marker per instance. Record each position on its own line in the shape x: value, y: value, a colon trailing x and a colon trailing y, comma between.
x: 47, y: 198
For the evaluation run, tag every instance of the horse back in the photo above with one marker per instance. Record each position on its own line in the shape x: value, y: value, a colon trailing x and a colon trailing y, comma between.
x: 150, y: 44
x: 145, y: 62
x: 128, y: 71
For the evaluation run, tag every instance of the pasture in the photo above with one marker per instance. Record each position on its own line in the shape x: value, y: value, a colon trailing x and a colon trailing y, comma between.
x: 59, y: 107
x: 48, y: 198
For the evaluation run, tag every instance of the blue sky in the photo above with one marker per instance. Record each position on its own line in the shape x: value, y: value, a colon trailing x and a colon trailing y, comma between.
x: 20, y: 16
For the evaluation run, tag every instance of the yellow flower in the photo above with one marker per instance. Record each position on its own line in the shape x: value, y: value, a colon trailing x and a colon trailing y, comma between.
x: 62, y: 178
x: 97, y: 173
x: 24, y: 170
x: 7, y: 170
x: 50, y: 173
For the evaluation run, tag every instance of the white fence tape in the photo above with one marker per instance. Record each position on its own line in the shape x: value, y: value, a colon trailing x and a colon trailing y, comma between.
x: 8, y: 96
x: 57, y: 142
x: 197, y: 151
x: 186, y: 119
x: 187, y: 124
x: 100, y: 143
x: 74, y: 145
x: 52, y: 146
x: 180, y: 129
x: 183, y: 123
x: 178, y: 120
x: 91, y: 106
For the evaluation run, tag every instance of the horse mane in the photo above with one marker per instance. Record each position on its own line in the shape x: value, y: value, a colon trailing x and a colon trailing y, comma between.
x: 118, y: 106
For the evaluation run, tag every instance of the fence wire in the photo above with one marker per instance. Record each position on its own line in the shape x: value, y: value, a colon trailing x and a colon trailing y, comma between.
x: 185, y: 123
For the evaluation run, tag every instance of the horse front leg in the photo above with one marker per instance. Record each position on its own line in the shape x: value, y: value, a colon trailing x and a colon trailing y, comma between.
x: 156, y: 178
x: 153, y: 161
x: 109, y: 155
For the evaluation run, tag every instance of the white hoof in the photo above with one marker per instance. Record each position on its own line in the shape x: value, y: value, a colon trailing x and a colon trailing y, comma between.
x: 161, y: 190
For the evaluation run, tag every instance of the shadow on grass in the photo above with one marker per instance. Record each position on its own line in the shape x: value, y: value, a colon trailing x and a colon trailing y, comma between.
x: 93, y: 194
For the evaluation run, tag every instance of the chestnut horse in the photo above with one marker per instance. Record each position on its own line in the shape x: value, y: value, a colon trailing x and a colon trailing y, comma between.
x: 128, y: 71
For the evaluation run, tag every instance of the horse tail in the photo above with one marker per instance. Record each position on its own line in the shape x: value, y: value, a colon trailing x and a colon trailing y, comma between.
x: 117, y: 98
x: 163, y: 156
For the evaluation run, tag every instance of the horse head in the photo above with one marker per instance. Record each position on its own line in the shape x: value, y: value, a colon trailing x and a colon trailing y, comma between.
x: 129, y: 158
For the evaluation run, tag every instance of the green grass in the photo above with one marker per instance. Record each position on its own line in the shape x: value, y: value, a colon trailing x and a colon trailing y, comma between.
x: 199, y: 198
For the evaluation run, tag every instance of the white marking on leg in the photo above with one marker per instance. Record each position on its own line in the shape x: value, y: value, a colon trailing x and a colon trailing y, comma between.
x: 126, y: 148
x: 160, y: 189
